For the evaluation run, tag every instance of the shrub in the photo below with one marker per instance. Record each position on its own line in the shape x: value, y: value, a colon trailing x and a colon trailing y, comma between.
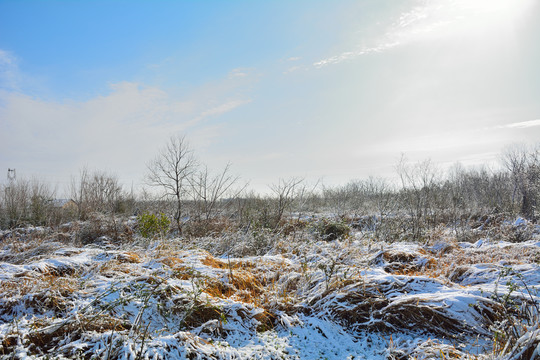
x: 208, y: 227
x: 101, y: 228
x: 331, y: 230
x: 152, y: 226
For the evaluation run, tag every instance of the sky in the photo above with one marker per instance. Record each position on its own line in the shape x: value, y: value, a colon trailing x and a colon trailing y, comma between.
x: 323, y: 90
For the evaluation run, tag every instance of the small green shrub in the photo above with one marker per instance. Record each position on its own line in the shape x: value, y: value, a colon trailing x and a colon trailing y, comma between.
x: 152, y: 226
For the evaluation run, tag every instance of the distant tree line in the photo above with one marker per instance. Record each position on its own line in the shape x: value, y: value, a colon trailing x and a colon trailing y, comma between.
x: 203, y: 202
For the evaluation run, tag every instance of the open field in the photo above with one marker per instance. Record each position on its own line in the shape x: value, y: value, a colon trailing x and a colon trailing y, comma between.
x: 268, y: 296
x: 309, y: 180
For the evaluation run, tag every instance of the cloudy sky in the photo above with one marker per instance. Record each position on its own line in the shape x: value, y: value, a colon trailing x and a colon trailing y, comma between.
x: 317, y: 89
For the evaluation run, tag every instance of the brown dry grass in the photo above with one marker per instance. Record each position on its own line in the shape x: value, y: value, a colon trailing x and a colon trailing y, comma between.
x: 171, y: 261
x: 183, y: 272
x: 247, y: 285
x: 243, y: 286
x: 40, y: 297
x: 370, y: 309
x: 115, y: 267
x: 24, y: 285
x: 211, y: 261
x: 128, y: 257
x: 219, y: 289
x: 418, y: 263
x: 214, y: 263
x: 201, y: 313
x: 41, y: 341
x: 266, y: 321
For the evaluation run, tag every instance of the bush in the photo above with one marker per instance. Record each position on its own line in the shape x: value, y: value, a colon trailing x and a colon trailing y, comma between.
x: 210, y: 227
x: 152, y: 226
x: 331, y: 230
x: 100, y: 228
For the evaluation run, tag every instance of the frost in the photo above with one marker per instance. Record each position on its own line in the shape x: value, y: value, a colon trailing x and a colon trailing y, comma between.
x: 302, y: 299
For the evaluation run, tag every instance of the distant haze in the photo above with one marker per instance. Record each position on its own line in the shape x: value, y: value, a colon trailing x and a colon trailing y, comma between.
x: 331, y: 90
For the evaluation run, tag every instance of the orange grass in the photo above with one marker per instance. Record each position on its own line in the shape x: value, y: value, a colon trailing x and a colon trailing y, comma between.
x: 171, y: 261
x: 129, y: 257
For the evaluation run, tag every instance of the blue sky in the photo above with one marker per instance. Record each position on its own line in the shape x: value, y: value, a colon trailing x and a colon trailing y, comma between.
x: 332, y: 90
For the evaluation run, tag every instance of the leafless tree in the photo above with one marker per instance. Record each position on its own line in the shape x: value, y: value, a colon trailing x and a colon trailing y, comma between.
x: 383, y: 201
x: 418, y: 182
x: 41, y: 201
x: 26, y: 201
x: 96, y: 192
x: 16, y: 196
x: 77, y: 190
x: 285, y: 191
x: 345, y: 200
x: 523, y: 162
x: 208, y: 190
x: 171, y: 170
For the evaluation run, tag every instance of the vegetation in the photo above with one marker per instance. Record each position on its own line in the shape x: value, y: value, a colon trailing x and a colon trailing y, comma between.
x: 152, y: 226
x: 314, y: 252
x: 202, y: 202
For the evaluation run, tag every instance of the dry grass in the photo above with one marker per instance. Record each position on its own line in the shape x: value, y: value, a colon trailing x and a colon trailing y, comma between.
x: 247, y: 285
x: 242, y: 285
x: 128, y: 257
x: 27, y: 285
x: 171, y: 261
x: 211, y: 261
x: 266, y: 321
x: 214, y: 263
x: 42, y: 341
x: 183, y: 272
x: 115, y: 267
x: 219, y: 289
x: 259, y: 288
x: 200, y: 314
x: 25, y: 252
x: 414, y: 263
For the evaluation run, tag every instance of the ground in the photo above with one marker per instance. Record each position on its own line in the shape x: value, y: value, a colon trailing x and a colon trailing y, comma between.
x: 298, y: 298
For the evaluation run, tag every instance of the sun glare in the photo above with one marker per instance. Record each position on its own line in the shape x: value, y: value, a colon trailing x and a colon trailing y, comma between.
x: 493, y: 9
x: 442, y: 18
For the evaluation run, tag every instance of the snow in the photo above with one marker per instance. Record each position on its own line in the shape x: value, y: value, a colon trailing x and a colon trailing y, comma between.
x: 301, y: 300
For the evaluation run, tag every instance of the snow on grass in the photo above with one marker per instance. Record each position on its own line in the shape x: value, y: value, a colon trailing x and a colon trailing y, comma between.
x: 303, y: 299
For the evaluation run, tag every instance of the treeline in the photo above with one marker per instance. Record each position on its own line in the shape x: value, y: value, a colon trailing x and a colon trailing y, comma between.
x: 200, y: 202
x: 33, y: 202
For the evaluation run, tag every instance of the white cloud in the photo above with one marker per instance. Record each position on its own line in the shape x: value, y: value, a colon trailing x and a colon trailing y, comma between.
x: 116, y: 132
x: 238, y: 73
x: 292, y: 69
x: 223, y: 108
x: 9, y: 71
x: 435, y: 19
x: 348, y: 55
x: 521, y: 125
x: 6, y: 58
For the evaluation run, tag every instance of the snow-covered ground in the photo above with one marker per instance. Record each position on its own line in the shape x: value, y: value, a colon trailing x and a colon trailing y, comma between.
x: 302, y: 299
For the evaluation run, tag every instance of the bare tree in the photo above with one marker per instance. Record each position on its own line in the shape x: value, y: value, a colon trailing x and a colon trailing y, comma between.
x: 208, y: 190
x: 345, y: 200
x: 26, y: 202
x: 381, y: 194
x: 171, y: 170
x: 418, y: 190
x: 524, y: 164
x: 16, y: 199
x: 286, y: 192
x: 95, y: 192
x: 41, y: 202
x: 77, y: 187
